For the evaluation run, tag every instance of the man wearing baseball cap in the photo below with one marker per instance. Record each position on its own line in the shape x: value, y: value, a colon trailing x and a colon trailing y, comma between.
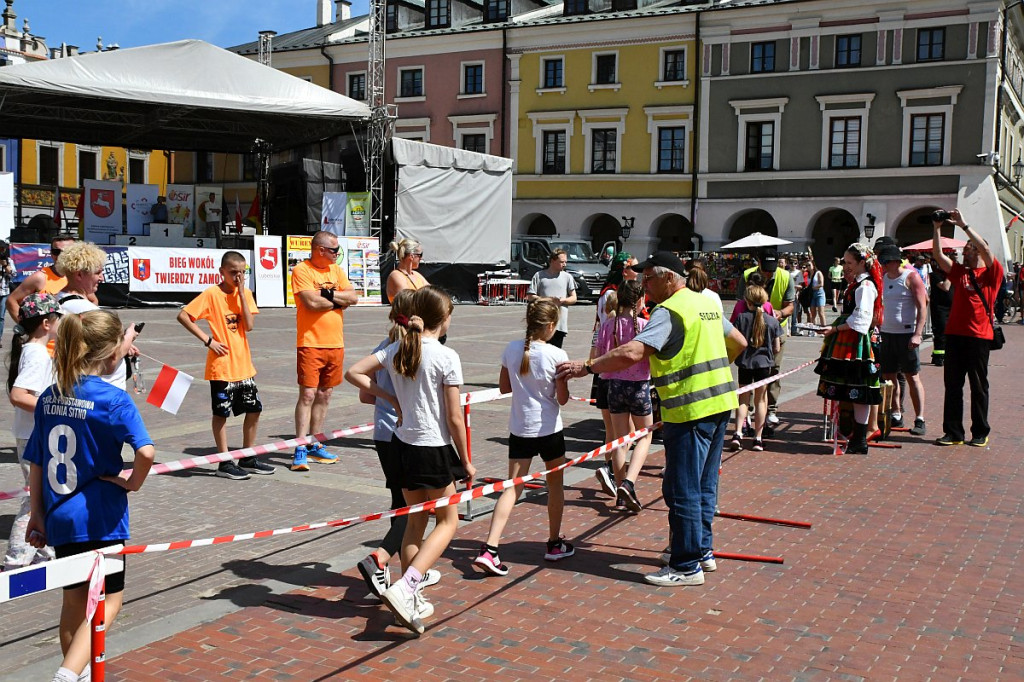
x: 690, y: 347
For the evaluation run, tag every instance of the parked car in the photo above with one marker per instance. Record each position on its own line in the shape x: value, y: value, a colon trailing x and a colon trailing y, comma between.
x: 530, y: 254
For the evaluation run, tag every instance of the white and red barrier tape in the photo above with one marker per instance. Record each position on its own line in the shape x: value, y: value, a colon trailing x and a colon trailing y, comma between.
x: 457, y: 498
x: 14, y: 494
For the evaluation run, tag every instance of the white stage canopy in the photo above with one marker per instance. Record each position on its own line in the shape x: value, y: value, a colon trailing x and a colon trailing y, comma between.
x: 185, y: 95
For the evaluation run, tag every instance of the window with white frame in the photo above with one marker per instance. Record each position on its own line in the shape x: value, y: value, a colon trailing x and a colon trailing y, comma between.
x: 758, y: 142
x: 474, y: 142
x: 357, y: 85
x: 927, y: 128
x: 88, y: 164
x: 410, y: 82
x: 48, y: 163
x: 603, y: 150
x: 553, y: 152
x: 552, y: 73
x: 496, y: 10
x: 602, y: 138
x: 605, y: 71
x: 762, y: 57
x: 417, y: 129
x: 137, y: 163
x: 848, y: 51
x: 673, y: 65
x: 931, y: 44
x: 472, y: 78
x: 671, y: 149
x: 669, y: 128
x: 473, y: 131
x: 439, y: 13
x: 844, y: 129
x: 552, y: 134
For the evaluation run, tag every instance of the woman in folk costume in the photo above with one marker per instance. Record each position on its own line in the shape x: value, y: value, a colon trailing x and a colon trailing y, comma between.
x: 847, y: 364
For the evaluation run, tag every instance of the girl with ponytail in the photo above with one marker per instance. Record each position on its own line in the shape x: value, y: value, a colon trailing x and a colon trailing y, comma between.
x: 756, y: 363
x: 79, y: 495
x: 847, y: 364
x: 535, y: 427
x: 30, y: 373
x: 629, y: 393
x: 429, y: 439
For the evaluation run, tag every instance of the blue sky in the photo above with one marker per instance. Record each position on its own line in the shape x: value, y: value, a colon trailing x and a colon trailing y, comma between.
x: 130, y: 23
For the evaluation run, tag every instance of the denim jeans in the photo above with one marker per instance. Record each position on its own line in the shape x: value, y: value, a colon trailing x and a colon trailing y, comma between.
x: 3, y: 316
x: 693, y: 455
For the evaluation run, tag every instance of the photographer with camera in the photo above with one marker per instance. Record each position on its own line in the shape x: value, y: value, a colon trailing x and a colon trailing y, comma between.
x: 7, y: 273
x: 969, y: 330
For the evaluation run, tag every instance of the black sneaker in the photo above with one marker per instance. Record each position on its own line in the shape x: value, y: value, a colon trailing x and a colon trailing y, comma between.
x: 978, y: 442
x: 620, y: 503
x: 919, y: 428
x: 896, y: 422
x: 627, y: 493
x: 948, y: 440
x: 254, y: 466
x: 232, y: 471
x: 604, y: 477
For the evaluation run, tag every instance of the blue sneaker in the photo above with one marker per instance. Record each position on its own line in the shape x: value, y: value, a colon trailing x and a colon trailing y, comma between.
x: 299, y: 461
x: 318, y: 453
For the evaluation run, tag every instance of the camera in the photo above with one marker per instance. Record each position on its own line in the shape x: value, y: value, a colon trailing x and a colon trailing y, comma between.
x: 940, y: 216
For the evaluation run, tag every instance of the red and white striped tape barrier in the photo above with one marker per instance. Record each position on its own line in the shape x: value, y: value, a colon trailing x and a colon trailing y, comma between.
x: 14, y: 494
x: 457, y: 498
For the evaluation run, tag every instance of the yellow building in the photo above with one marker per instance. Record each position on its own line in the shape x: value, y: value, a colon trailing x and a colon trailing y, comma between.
x: 603, y: 127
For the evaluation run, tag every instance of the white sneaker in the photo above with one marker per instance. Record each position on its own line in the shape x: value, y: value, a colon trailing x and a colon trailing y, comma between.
x: 402, y: 602
x: 431, y: 577
x: 708, y: 565
x: 773, y: 420
x: 669, y: 577
x: 424, y: 609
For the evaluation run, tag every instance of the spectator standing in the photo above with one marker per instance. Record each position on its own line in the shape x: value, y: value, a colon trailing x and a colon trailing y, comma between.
x: 554, y: 282
x: 836, y: 282
x: 968, y: 332
x: 689, y: 345
x: 816, y: 282
x: 408, y: 256
x: 158, y: 213
x: 781, y: 290
x: 763, y: 333
x: 904, y: 314
x: 322, y: 293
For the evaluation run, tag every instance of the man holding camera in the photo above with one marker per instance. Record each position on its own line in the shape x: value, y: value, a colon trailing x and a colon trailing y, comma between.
x: 969, y: 330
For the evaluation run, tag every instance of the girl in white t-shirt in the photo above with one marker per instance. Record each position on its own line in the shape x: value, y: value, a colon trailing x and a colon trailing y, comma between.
x: 30, y: 373
x: 535, y: 428
x: 430, y: 439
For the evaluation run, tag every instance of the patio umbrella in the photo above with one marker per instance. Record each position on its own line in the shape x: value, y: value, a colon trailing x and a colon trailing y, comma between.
x: 947, y: 244
x: 755, y: 241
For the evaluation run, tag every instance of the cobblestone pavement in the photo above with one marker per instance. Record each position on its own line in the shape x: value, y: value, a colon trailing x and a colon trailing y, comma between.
x: 905, y: 572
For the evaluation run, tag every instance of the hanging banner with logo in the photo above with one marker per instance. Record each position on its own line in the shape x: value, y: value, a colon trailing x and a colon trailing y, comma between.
x: 357, y: 215
x: 102, y: 213
x: 181, y: 206
x: 209, y: 211
x: 6, y: 206
x: 268, y: 266
x: 334, y: 205
x: 141, y: 198
x: 360, y: 259
x: 162, y: 269
x: 28, y: 259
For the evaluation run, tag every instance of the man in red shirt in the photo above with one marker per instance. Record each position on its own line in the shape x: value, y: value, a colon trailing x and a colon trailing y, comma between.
x: 968, y: 331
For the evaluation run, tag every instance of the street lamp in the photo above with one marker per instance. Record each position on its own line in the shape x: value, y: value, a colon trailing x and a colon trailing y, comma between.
x: 869, y: 229
x: 1018, y: 171
x: 627, y: 227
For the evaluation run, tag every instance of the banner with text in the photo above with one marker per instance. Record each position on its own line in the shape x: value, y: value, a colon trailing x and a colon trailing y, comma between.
x: 209, y: 211
x: 102, y: 213
x: 181, y: 206
x: 334, y: 205
x: 141, y: 198
x: 269, y: 271
x: 30, y: 258
x: 357, y: 214
x: 163, y: 269
x: 360, y: 259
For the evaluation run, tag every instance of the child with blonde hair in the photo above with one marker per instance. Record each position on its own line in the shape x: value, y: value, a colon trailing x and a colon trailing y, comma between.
x: 756, y: 362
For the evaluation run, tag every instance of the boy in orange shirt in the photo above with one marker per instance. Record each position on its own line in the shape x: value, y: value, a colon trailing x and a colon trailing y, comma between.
x: 228, y: 309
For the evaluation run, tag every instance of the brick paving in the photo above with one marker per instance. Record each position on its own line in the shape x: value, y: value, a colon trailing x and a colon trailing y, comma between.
x: 907, y: 570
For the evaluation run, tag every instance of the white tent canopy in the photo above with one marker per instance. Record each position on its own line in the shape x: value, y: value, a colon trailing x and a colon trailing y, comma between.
x: 185, y: 95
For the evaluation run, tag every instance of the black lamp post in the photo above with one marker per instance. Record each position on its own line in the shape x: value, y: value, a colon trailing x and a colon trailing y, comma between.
x: 869, y: 229
x: 627, y: 227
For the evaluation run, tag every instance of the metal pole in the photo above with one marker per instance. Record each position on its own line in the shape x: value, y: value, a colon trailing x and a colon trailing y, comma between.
x: 98, y: 662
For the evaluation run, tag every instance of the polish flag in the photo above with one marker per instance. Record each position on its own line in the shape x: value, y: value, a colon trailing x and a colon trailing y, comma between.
x: 169, y: 389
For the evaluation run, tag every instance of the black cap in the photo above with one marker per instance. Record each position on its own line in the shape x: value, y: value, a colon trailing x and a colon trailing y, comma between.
x: 664, y: 259
x: 883, y: 240
x: 769, y: 263
x: 889, y: 253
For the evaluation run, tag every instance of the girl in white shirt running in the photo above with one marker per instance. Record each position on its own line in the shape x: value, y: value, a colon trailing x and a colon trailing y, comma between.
x: 535, y: 428
x: 430, y: 440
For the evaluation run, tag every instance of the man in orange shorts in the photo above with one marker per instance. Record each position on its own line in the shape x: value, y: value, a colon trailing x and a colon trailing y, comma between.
x: 322, y: 292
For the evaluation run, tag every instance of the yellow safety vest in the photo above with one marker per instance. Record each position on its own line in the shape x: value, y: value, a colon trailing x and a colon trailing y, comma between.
x: 697, y: 381
x: 780, y: 284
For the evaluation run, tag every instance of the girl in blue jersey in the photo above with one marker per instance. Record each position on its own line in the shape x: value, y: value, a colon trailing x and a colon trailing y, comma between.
x: 79, y: 499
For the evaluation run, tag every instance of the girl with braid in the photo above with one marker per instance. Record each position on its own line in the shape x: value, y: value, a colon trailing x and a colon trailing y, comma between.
x: 535, y: 427
x: 629, y: 393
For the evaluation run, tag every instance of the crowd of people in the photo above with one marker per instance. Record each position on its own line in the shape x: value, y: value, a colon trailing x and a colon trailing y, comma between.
x: 662, y: 345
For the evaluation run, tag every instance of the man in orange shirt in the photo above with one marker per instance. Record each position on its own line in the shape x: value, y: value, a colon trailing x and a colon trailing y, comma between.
x: 229, y: 309
x: 322, y: 292
x: 49, y: 280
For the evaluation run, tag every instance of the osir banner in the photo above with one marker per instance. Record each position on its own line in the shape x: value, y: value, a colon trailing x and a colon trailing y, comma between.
x: 163, y: 269
x: 181, y: 206
x: 102, y: 213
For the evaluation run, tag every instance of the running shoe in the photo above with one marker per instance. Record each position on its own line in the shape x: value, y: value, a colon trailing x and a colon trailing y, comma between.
x: 919, y: 428
x: 604, y: 477
x: 431, y: 577
x: 773, y: 419
x: 232, y: 471
x: 299, y: 462
x: 490, y: 562
x: 627, y: 491
x: 559, y: 549
x: 736, y: 444
x: 978, y: 442
x: 254, y: 466
x: 758, y: 445
x: 402, y: 602
x: 319, y: 453
x: 669, y: 577
x: 948, y: 440
x: 424, y: 609
x: 377, y: 579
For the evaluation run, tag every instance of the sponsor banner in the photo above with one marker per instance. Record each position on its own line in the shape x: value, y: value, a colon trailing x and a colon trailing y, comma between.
x: 164, y: 269
x: 298, y: 251
x: 30, y: 258
x: 334, y: 205
x: 181, y: 206
x: 6, y: 206
x: 102, y: 213
x: 357, y: 214
x: 268, y: 266
x: 209, y: 211
x: 141, y: 198
x: 360, y: 259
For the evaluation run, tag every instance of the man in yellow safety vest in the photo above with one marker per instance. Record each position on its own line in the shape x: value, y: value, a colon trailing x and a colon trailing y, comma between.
x: 690, y: 347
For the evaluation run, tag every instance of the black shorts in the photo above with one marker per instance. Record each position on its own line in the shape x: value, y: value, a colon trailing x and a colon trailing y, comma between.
x: 428, y: 467
x: 549, y: 447
x: 599, y: 393
x: 390, y: 463
x: 239, y: 397
x: 629, y: 397
x: 894, y: 355
x: 749, y: 376
x: 114, y: 582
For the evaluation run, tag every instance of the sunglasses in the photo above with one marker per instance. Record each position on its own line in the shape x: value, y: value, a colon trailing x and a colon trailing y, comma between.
x: 418, y: 254
x: 55, y: 253
x: 335, y: 250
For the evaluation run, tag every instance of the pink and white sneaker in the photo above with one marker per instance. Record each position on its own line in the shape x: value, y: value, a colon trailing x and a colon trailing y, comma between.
x: 490, y: 562
x: 559, y: 549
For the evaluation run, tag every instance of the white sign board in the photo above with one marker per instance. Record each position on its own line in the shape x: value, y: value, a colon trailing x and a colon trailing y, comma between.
x: 6, y: 206
x: 102, y: 213
x: 140, y: 199
x: 163, y: 269
x: 268, y: 267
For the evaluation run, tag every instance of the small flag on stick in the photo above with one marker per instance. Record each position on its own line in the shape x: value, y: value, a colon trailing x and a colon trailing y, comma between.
x: 169, y: 389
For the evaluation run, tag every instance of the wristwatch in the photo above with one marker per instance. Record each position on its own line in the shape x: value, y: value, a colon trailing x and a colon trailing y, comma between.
x: 587, y: 365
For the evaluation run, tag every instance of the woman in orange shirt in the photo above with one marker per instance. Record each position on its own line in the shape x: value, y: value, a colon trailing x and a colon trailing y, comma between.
x: 408, y: 254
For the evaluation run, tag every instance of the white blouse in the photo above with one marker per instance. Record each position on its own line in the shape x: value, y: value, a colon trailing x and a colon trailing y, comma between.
x: 864, y: 306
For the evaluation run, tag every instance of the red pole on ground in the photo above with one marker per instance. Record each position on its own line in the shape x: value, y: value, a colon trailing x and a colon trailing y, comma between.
x: 762, y: 519
x: 98, y: 663
x: 748, y: 557
x: 469, y: 454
